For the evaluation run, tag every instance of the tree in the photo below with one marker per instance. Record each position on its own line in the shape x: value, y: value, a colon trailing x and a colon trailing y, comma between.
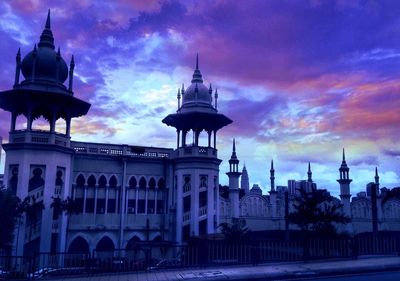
x: 32, y: 210
x: 317, y: 211
x: 8, y: 215
x: 235, y: 231
x: 68, y: 206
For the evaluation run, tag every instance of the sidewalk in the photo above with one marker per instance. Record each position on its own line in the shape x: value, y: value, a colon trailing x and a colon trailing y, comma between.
x: 260, y: 272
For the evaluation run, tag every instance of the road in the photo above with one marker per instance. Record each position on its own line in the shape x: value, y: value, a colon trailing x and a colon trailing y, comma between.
x: 381, y: 276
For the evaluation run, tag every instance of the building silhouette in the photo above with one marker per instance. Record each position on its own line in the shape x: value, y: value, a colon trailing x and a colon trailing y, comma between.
x: 129, y: 194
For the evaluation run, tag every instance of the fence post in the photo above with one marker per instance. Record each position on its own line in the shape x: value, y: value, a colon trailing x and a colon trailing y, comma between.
x: 354, y: 247
x: 306, y: 249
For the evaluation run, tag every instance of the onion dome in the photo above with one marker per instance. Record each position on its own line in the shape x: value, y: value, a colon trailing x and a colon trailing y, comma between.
x: 197, y: 91
x: 43, y: 63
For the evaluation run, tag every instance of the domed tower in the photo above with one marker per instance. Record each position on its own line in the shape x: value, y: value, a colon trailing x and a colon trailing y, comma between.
x: 38, y: 162
x: 196, y: 166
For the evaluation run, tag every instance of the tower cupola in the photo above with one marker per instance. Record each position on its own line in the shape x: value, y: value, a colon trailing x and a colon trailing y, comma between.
x: 196, y: 113
x: 42, y: 92
x: 43, y: 66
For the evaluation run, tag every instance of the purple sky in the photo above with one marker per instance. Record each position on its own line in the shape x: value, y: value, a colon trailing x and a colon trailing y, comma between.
x: 300, y: 79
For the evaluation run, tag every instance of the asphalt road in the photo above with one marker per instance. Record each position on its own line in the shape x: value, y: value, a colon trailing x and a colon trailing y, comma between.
x: 380, y: 276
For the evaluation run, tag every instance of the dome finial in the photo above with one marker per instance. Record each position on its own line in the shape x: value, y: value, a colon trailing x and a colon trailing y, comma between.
x: 47, y: 39
x: 197, y: 77
x: 48, y: 20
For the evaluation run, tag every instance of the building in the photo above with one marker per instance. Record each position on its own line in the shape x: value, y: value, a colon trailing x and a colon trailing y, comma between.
x: 128, y: 194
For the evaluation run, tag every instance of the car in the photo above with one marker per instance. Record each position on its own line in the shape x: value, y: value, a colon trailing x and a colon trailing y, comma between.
x: 41, y: 272
x: 166, y: 263
x: 4, y: 273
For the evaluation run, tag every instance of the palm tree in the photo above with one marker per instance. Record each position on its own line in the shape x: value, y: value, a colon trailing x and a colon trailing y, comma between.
x: 32, y: 210
x: 67, y: 206
x: 317, y: 211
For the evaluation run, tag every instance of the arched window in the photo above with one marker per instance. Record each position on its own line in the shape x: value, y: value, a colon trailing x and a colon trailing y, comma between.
x: 113, y: 182
x: 142, y: 183
x: 78, y: 245
x: 152, y: 183
x: 132, y: 182
x: 132, y: 243
x: 102, y: 181
x: 161, y: 183
x: 80, y: 181
x: 105, y: 244
x: 91, y: 181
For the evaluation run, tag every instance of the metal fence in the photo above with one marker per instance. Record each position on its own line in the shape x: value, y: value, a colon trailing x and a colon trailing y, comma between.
x: 149, y: 256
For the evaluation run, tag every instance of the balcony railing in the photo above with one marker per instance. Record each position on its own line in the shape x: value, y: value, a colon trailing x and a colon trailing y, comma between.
x: 200, y: 151
x: 202, y: 211
x: 120, y: 150
x: 38, y: 136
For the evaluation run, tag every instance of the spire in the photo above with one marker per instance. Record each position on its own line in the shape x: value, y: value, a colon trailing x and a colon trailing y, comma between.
x: 178, y: 96
x: 17, y: 66
x: 71, y: 73
x: 47, y: 39
x: 272, y: 176
x: 210, y: 90
x: 309, y: 173
x: 48, y: 20
x: 233, y: 156
x: 197, y: 77
x: 216, y: 99
x: 183, y: 89
x: 18, y: 57
x: 376, y: 175
x: 344, y: 156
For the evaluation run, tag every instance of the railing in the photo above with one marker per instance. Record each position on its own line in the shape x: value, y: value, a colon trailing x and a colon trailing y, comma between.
x: 120, y: 150
x: 200, y: 151
x: 161, y: 255
x: 186, y: 217
x: 38, y: 136
x: 202, y: 211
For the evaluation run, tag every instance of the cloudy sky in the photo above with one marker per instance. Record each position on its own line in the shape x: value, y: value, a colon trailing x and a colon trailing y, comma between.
x: 300, y: 79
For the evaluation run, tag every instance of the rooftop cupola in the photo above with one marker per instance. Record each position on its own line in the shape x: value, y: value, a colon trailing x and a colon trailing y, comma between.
x: 197, y: 95
x: 44, y: 67
x: 42, y: 93
x: 196, y: 113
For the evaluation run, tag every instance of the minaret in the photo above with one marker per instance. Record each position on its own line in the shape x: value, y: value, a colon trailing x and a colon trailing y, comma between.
x: 40, y: 157
x: 344, y: 182
x: 272, y: 193
x: 272, y: 176
x: 196, y: 168
x: 234, y: 175
x: 244, y: 180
